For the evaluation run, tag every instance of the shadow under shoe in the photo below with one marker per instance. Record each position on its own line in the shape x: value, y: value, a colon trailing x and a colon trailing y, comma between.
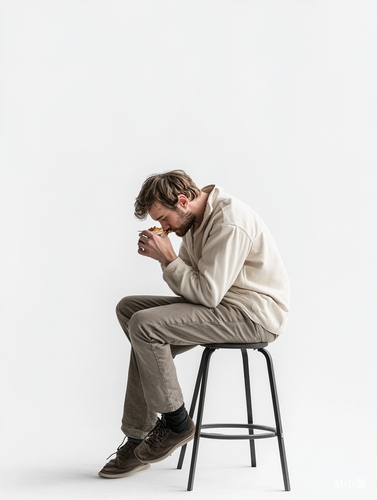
x: 162, y: 442
x: 124, y: 464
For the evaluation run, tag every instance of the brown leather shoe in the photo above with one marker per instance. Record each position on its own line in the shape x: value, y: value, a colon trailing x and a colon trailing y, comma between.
x: 124, y: 464
x: 162, y: 441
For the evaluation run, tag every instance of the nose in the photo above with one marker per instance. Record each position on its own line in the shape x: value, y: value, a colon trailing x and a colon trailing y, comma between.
x: 165, y: 226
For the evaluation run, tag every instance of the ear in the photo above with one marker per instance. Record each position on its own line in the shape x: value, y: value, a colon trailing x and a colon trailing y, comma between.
x: 182, y: 201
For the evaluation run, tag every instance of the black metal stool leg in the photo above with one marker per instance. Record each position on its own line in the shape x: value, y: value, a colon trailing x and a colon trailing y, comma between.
x: 279, y: 429
x: 246, y: 373
x: 206, y: 359
x: 192, y: 407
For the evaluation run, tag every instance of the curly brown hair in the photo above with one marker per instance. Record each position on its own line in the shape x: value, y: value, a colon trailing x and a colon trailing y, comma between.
x: 164, y: 188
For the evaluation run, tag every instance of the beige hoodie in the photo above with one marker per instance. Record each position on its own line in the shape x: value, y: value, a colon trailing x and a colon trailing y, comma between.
x: 232, y: 258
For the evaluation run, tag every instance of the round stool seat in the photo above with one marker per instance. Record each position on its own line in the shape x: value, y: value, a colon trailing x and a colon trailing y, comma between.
x: 255, y: 345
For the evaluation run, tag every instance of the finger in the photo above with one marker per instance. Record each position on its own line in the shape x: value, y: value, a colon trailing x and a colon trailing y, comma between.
x: 140, y: 245
x: 143, y: 241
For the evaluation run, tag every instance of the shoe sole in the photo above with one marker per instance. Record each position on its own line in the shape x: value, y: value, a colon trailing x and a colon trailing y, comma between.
x: 170, y: 452
x: 125, y: 474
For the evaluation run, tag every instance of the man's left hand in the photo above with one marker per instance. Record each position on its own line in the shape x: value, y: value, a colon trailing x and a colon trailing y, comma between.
x: 156, y: 247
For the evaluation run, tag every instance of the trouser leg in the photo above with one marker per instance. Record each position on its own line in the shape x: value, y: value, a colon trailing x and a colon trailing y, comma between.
x: 138, y: 418
x: 154, y: 332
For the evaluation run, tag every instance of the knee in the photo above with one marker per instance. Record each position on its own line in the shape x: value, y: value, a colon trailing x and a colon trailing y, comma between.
x: 125, y: 307
x: 140, y: 325
x: 124, y: 311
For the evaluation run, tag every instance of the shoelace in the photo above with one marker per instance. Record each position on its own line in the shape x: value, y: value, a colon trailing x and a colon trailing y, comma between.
x: 118, y: 449
x: 158, y: 433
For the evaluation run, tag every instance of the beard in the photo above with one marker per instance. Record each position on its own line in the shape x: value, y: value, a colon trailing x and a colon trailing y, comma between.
x: 187, y: 220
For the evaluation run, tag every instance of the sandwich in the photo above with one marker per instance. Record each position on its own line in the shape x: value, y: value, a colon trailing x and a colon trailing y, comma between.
x: 160, y: 231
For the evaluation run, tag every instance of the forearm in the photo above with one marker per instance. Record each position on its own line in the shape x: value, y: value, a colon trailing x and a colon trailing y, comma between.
x: 221, y: 261
x: 165, y: 260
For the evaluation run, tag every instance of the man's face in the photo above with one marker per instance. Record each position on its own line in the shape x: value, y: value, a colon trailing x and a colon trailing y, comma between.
x: 178, y: 220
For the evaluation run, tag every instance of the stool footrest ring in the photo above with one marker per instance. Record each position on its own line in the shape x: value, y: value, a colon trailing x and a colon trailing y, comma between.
x: 271, y: 431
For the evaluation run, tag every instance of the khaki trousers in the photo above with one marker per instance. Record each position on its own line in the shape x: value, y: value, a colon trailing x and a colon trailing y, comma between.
x: 158, y: 329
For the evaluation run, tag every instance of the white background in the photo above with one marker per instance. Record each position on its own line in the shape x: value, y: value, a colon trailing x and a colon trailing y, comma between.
x: 273, y: 100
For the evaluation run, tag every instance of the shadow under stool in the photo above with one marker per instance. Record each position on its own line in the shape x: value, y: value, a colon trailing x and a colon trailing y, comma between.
x: 269, y: 432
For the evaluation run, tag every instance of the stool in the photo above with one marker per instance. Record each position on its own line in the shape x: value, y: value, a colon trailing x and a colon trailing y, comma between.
x: 201, y: 384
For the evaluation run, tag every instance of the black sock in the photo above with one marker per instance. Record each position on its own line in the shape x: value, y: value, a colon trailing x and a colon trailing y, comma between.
x: 134, y: 440
x: 178, y: 420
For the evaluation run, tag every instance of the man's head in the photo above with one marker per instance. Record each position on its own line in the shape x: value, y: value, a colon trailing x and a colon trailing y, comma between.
x: 166, y: 198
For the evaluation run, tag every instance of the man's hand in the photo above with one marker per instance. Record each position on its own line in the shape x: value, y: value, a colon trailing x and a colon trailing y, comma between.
x: 156, y: 247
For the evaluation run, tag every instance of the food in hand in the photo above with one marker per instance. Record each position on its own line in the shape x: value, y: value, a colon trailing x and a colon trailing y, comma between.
x: 160, y: 231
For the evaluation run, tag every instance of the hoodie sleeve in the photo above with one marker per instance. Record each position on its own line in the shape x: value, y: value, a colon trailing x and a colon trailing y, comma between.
x: 222, y: 259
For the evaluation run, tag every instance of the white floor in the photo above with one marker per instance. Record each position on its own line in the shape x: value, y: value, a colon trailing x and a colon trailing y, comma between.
x: 318, y: 469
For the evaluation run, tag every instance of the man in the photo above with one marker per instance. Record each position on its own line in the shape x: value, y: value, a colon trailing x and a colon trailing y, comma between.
x: 230, y: 285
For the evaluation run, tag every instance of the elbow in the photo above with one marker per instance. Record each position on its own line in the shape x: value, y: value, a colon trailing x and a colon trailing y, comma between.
x: 211, y: 295
x: 211, y: 301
